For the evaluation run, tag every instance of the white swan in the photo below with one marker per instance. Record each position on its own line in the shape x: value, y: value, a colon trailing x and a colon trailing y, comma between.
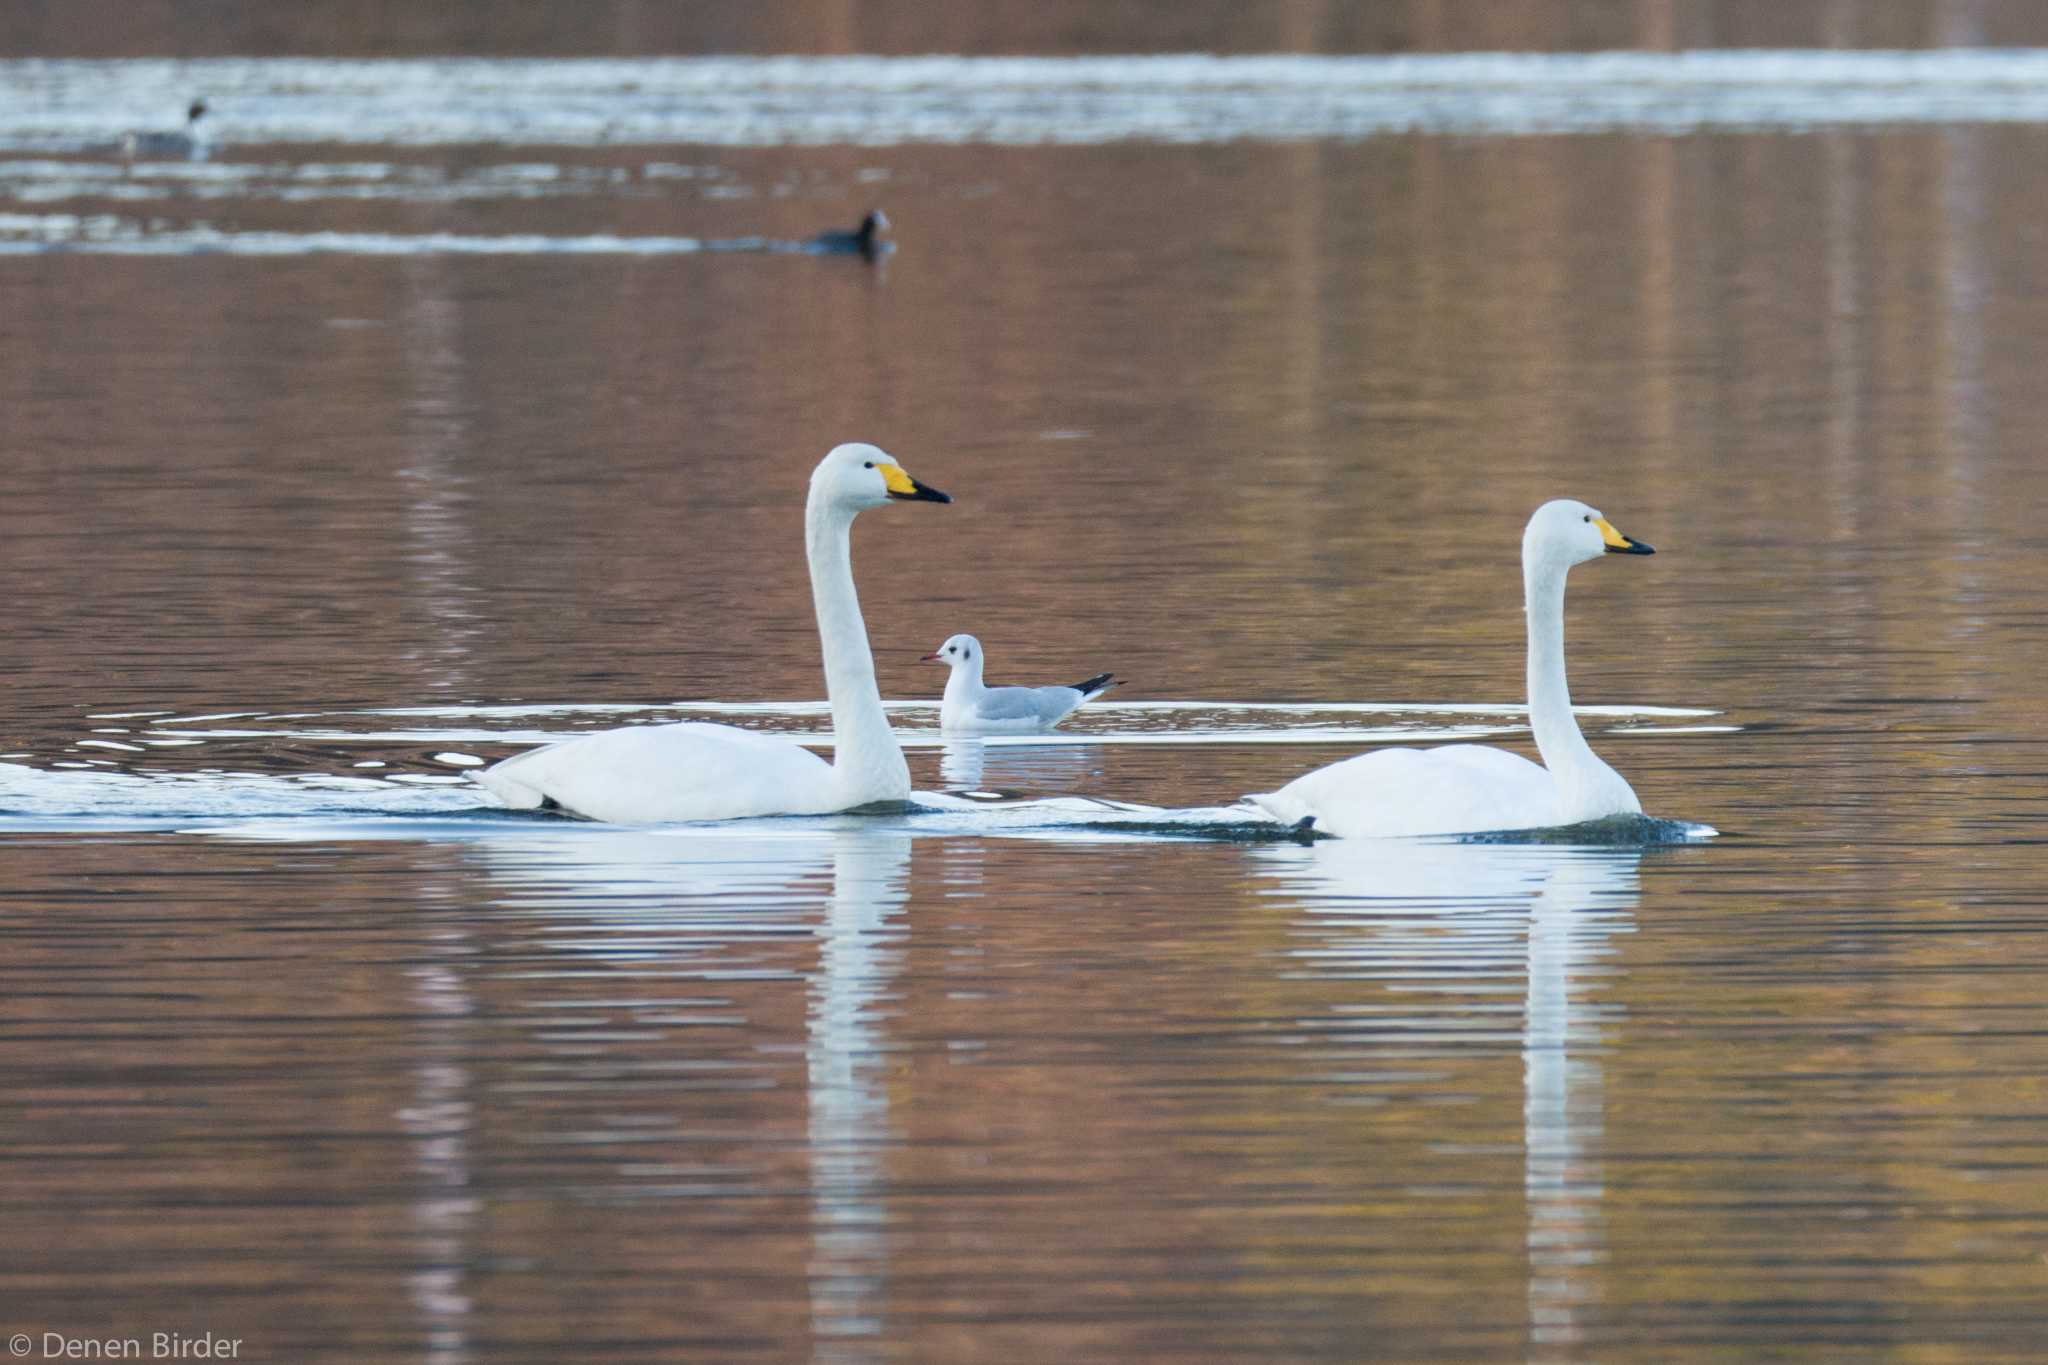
x: 1469, y: 788
x: 697, y: 771
x: 969, y: 708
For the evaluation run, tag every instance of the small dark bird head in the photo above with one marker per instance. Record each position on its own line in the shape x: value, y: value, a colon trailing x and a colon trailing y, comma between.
x: 196, y: 112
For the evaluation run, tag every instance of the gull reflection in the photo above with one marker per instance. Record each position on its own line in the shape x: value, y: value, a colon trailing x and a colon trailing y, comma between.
x: 1441, y: 918
x: 973, y: 764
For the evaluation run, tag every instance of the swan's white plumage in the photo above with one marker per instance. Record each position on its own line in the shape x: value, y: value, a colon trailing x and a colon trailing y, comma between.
x: 971, y: 707
x: 1392, y: 793
x: 657, y: 774
x: 1471, y: 788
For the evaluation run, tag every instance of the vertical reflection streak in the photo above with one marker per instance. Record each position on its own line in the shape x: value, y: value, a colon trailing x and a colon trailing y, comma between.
x: 1844, y: 326
x: 1436, y: 918
x: 849, y: 1104
x: 436, y: 494
x: 1563, y: 1116
x: 438, y: 1120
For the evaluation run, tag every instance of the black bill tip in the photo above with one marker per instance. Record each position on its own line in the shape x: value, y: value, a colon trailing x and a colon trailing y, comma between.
x: 920, y: 493
x: 1634, y: 547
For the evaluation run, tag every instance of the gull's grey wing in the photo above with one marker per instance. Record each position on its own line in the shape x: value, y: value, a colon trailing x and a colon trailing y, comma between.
x: 1042, y: 704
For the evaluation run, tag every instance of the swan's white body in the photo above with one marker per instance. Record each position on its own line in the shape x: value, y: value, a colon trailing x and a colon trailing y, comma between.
x: 972, y: 708
x: 1470, y: 788
x: 658, y: 774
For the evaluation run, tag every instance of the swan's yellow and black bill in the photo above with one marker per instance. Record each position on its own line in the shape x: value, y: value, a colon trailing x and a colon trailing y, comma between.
x: 1619, y: 544
x: 906, y: 489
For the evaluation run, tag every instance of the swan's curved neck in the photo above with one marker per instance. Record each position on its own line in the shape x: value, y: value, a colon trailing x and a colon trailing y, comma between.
x: 866, y: 758
x: 1587, y: 787
x: 1550, y: 698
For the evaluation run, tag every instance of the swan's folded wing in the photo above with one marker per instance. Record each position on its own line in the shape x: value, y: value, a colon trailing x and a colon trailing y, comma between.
x: 1395, y: 793
x: 654, y: 774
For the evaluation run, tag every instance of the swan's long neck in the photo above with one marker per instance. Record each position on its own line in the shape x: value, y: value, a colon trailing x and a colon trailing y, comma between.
x: 1587, y: 787
x: 1550, y: 697
x: 866, y: 758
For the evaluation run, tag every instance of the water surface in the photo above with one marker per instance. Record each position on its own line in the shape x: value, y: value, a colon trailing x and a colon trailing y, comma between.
x: 303, y: 1046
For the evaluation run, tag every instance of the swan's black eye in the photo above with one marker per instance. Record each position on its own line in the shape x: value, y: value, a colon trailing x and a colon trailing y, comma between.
x: 1588, y: 518
x: 869, y: 465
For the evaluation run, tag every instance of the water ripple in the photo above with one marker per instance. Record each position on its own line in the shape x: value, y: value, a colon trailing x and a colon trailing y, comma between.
x: 756, y: 101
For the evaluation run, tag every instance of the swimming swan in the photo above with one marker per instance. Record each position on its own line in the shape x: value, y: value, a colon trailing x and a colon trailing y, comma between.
x: 1467, y: 788
x: 969, y: 708
x: 698, y: 771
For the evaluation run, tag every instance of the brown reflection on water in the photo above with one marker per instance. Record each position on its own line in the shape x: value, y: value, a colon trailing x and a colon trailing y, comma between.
x: 109, y: 28
x: 1239, y: 422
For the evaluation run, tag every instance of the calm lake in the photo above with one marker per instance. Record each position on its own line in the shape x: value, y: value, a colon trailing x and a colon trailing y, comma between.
x: 444, y: 408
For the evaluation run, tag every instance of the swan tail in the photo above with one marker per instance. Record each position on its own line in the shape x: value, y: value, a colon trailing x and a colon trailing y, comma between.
x: 1280, y: 806
x: 510, y: 789
x: 1095, y: 686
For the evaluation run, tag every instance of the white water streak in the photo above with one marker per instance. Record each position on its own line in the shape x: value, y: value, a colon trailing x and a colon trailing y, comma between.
x: 878, y: 101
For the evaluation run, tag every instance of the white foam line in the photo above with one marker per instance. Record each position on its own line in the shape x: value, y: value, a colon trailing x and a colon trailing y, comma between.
x: 923, y: 739
x: 1184, y: 98
x: 209, y: 240
x: 820, y: 708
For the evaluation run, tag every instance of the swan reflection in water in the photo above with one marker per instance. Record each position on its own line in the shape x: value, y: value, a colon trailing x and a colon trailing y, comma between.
x: 1448, y: 916
x: 688, y: 895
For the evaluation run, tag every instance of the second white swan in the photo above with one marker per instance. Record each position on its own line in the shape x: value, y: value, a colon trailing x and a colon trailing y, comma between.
x: 1472, y: 788
x: 655, y: 774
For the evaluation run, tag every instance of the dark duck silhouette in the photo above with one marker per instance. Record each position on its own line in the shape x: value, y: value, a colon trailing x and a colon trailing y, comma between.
x: 865, y: 240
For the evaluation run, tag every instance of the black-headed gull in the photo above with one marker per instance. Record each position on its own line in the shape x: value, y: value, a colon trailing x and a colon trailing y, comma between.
x: 970, y: 708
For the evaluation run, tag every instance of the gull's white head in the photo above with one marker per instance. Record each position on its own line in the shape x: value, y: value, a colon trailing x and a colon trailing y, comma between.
x: 857, y: 475
x: 959, y: 651
x: 1565, y: 532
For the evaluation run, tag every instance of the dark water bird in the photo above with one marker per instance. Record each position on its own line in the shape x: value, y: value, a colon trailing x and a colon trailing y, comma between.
x: 865, y: 240
x: 188, y: 141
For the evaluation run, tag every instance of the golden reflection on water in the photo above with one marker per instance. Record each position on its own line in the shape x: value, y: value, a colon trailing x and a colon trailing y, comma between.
x: 1242, y: 422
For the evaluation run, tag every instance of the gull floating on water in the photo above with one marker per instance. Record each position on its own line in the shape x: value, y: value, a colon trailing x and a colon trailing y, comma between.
x: 970, y: 708
x: 188, y: 142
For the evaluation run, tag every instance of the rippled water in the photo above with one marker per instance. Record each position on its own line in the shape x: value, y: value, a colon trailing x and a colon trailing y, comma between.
x: 888, y: 101
x: 363, y: 451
